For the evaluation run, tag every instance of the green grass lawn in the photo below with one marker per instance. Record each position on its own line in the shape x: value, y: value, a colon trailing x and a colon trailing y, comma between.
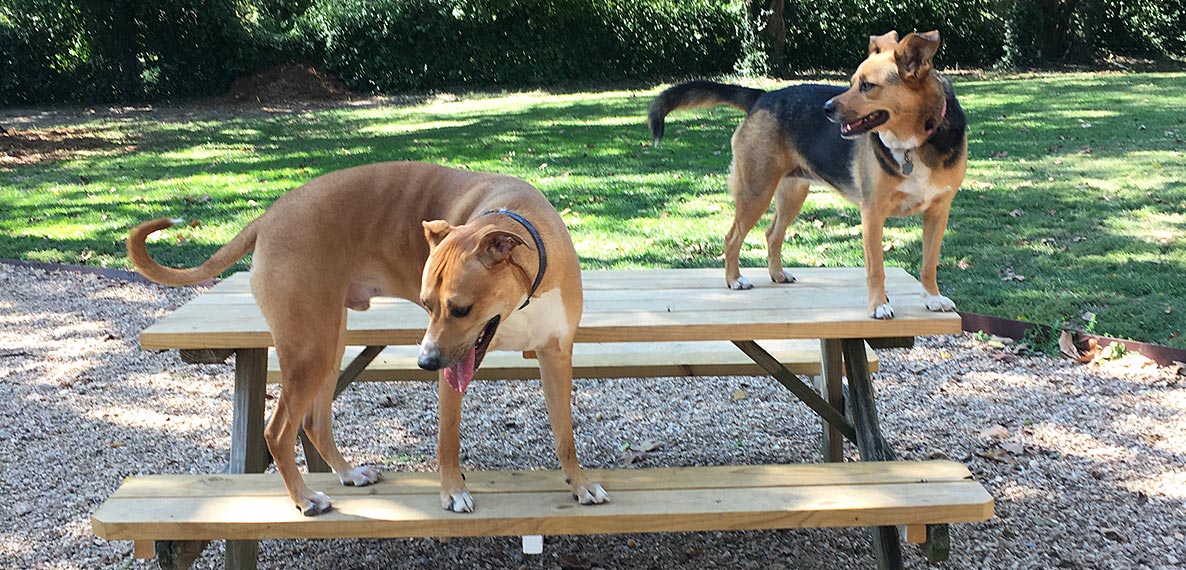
x: 1075, y: 183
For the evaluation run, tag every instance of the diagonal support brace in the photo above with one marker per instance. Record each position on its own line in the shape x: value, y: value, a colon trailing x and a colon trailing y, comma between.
x: 797, y: 387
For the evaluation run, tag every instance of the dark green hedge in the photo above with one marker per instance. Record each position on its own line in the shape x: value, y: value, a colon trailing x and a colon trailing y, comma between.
x: 382, y: 45
x: 130, y: 50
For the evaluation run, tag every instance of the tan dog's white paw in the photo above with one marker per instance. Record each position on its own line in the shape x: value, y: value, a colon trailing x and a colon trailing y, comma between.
x: 592, y: 494
x: 741, y: 284
x: 315, y: 503
x: 784, y: 277
x: 938, y: 303
x: 882, y: 312
x: 457, y: 501
x: 360, y: 476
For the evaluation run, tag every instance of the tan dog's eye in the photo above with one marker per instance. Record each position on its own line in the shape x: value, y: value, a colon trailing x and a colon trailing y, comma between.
x: 866, y: 86
x: 459, y: 312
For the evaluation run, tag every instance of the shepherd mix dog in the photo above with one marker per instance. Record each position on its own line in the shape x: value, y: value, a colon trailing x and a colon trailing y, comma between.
x: 486, y: 255
x: 900, y: 149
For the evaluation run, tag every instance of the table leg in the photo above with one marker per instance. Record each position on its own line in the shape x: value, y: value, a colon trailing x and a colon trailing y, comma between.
x: 248, y: 448
x: 832, y: 389
x: 871, y: 443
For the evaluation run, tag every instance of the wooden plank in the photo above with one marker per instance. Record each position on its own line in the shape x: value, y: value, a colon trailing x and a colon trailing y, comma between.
x: 609, y: 300
x: 143, y: 549
x: 642, y: 310
x: 485, y: 482
x: 225, y: 327
x: 652, y: 279
x: 603, y: 360
x: 502, y: 514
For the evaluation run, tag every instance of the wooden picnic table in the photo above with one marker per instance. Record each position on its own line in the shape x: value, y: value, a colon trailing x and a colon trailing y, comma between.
x: 652, y: 305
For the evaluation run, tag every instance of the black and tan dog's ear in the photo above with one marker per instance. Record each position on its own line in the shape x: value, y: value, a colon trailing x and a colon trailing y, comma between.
x: 435, y: 231
x: 913, y: 55
x: 884, y: 42
x: 496, y: 247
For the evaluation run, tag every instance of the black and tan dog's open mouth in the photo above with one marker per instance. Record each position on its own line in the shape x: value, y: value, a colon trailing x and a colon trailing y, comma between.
x: 864, y: 124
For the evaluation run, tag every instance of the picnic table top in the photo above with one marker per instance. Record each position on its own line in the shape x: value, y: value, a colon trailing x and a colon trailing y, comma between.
x: 637, y: 305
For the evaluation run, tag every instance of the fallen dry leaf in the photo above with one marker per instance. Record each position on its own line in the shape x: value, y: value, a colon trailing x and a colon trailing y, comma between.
x: 1066, y: 346
x: 994, y: 432
x: 740, y: 395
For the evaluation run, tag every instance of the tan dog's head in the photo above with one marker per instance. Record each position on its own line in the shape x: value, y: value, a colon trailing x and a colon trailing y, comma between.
x: 893, y: 92
x: 469, y: 286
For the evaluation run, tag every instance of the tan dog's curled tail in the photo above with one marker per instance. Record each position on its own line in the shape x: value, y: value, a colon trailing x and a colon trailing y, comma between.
x: 226, y: 256
x: 698, y: 94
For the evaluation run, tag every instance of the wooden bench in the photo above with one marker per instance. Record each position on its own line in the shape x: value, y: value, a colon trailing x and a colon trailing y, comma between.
x: 678, y: 322
x: 178, y: 513
x: 603, y: 360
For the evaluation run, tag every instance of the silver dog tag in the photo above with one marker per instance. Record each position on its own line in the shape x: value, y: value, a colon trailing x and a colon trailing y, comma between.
x: 907, y: 166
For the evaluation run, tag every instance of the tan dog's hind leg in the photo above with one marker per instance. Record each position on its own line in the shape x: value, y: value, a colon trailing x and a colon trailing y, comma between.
x: 305, y: 324
x: 872, y: 226
x: 319, y: 426
x: 788, y: 200
x: 752, y: 183
x: 454, y: 496
x: 555, y: 368
x: 300, y: 384
x: 934, y: 223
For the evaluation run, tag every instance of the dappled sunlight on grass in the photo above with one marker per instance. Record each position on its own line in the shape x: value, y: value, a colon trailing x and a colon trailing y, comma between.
x: 1073, y: 182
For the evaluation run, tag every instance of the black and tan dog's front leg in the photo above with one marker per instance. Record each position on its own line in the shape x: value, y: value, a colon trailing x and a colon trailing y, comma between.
x: 454, y: 496
x: 555, y: 368
x: 934, y: 223
x: 872, y: 227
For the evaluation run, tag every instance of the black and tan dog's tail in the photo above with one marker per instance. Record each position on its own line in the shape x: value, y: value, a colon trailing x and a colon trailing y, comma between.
x: 698, y: 94
x: 222, y: 259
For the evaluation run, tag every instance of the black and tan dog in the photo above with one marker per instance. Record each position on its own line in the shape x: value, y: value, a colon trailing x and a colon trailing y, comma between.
x: 900, y: 149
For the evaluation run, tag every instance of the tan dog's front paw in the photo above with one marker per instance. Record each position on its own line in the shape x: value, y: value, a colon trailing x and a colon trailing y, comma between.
x: 741, y: 284
x: 459, y: 501
x: 590, y: 494
x: 782, y: 276
x: 315, y: 503
x: 360, y: 476
x: 882, y: 312
x: 938, y: 303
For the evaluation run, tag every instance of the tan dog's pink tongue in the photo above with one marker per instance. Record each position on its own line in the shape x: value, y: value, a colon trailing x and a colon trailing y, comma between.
x: 459, y: 375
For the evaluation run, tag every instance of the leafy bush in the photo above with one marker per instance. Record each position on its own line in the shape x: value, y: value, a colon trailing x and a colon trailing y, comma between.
x: 128, y: 50
x: 382, y: 45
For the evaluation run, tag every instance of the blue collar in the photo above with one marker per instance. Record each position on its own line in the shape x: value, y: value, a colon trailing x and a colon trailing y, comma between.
x: 539, y: 247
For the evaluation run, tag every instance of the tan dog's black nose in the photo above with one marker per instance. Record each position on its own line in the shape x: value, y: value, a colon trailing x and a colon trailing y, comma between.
x: 430, y: 359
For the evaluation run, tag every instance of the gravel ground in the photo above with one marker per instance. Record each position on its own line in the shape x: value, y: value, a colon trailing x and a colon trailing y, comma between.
x: 1087, y: 463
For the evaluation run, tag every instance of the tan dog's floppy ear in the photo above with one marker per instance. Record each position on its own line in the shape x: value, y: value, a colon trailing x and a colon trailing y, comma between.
x: 884, y: 42
x: 496, y: 247
x: 435, y: 231
x: 914, y: 55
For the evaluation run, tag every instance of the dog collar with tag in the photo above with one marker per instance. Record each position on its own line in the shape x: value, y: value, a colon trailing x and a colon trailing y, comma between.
x: 539, y: 247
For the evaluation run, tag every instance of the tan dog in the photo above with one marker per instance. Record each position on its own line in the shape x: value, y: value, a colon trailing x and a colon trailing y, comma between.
x: 493, y: 244
x: 900, y: 149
